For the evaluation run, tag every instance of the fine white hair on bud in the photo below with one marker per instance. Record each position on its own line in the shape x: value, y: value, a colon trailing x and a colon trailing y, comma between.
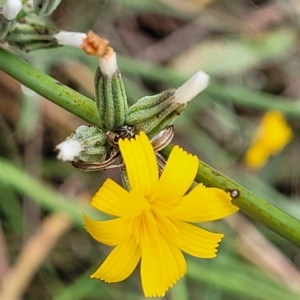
x: 68, y: 150
x: 11, y: 8
x: 68, y: 38
x: 108, y: 65
x: 192, y: 87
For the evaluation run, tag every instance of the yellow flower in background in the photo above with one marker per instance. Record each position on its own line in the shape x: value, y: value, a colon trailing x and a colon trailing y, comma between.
x: 272, y: 134
x: 153, y: 219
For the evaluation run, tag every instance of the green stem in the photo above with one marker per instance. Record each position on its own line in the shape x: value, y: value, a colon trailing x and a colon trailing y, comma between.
x: 268, y: 214
x: 48, y: 87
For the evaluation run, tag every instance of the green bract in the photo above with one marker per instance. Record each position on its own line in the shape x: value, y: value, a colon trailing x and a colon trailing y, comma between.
x: 111, y: 99
x: 153, y: 114
x: 29, y: 37
x: 92, y: 141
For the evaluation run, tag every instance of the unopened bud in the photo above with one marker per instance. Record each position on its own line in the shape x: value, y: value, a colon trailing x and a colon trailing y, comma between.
x: 29, y: 37
x: 148, y: 107
x: 111, y: 98
x: 45, y: 7
x: 86, y: 144
x: 152, y: 114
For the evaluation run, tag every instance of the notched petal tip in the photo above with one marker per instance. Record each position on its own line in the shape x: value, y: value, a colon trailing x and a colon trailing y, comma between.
x: 93, y: 276
x: 181, y: 155
x: 177, y: 176
x: 162, y: 293
x: 142, y: 135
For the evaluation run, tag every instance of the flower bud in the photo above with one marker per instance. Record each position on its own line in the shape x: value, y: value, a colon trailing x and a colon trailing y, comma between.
x: 29, y: 37
x: 152, y: 114
x: 45, y: 7
x: 148, y: 112
x: 111, y: 98
x: 86, y: 143
x: 148, y: 107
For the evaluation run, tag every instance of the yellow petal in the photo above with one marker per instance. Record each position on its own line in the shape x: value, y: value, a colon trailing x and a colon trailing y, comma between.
x: 277, y: 132
x: 140, y: 161
x: 110, y: 232
x: 178, y: 175
x: 257, y: 155
x: 120, y: 263
x: 272, y: 134
x: 173, y: 262
x: 116, y: 201
x: 197, y: 241
x: 204, y: 204
x: 162, y: 263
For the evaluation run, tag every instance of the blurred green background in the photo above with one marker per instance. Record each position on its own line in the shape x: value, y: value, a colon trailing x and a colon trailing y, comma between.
x: 251, y: 51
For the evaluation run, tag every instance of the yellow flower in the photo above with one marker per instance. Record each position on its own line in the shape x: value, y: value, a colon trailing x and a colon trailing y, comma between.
x: 152, y: 223
x: 272, y: 134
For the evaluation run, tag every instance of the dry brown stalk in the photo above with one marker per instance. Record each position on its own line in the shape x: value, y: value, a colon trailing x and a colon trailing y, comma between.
x: 34, y: 252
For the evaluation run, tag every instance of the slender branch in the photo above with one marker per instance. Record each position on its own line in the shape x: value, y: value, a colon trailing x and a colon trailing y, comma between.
x: 48, y: 87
